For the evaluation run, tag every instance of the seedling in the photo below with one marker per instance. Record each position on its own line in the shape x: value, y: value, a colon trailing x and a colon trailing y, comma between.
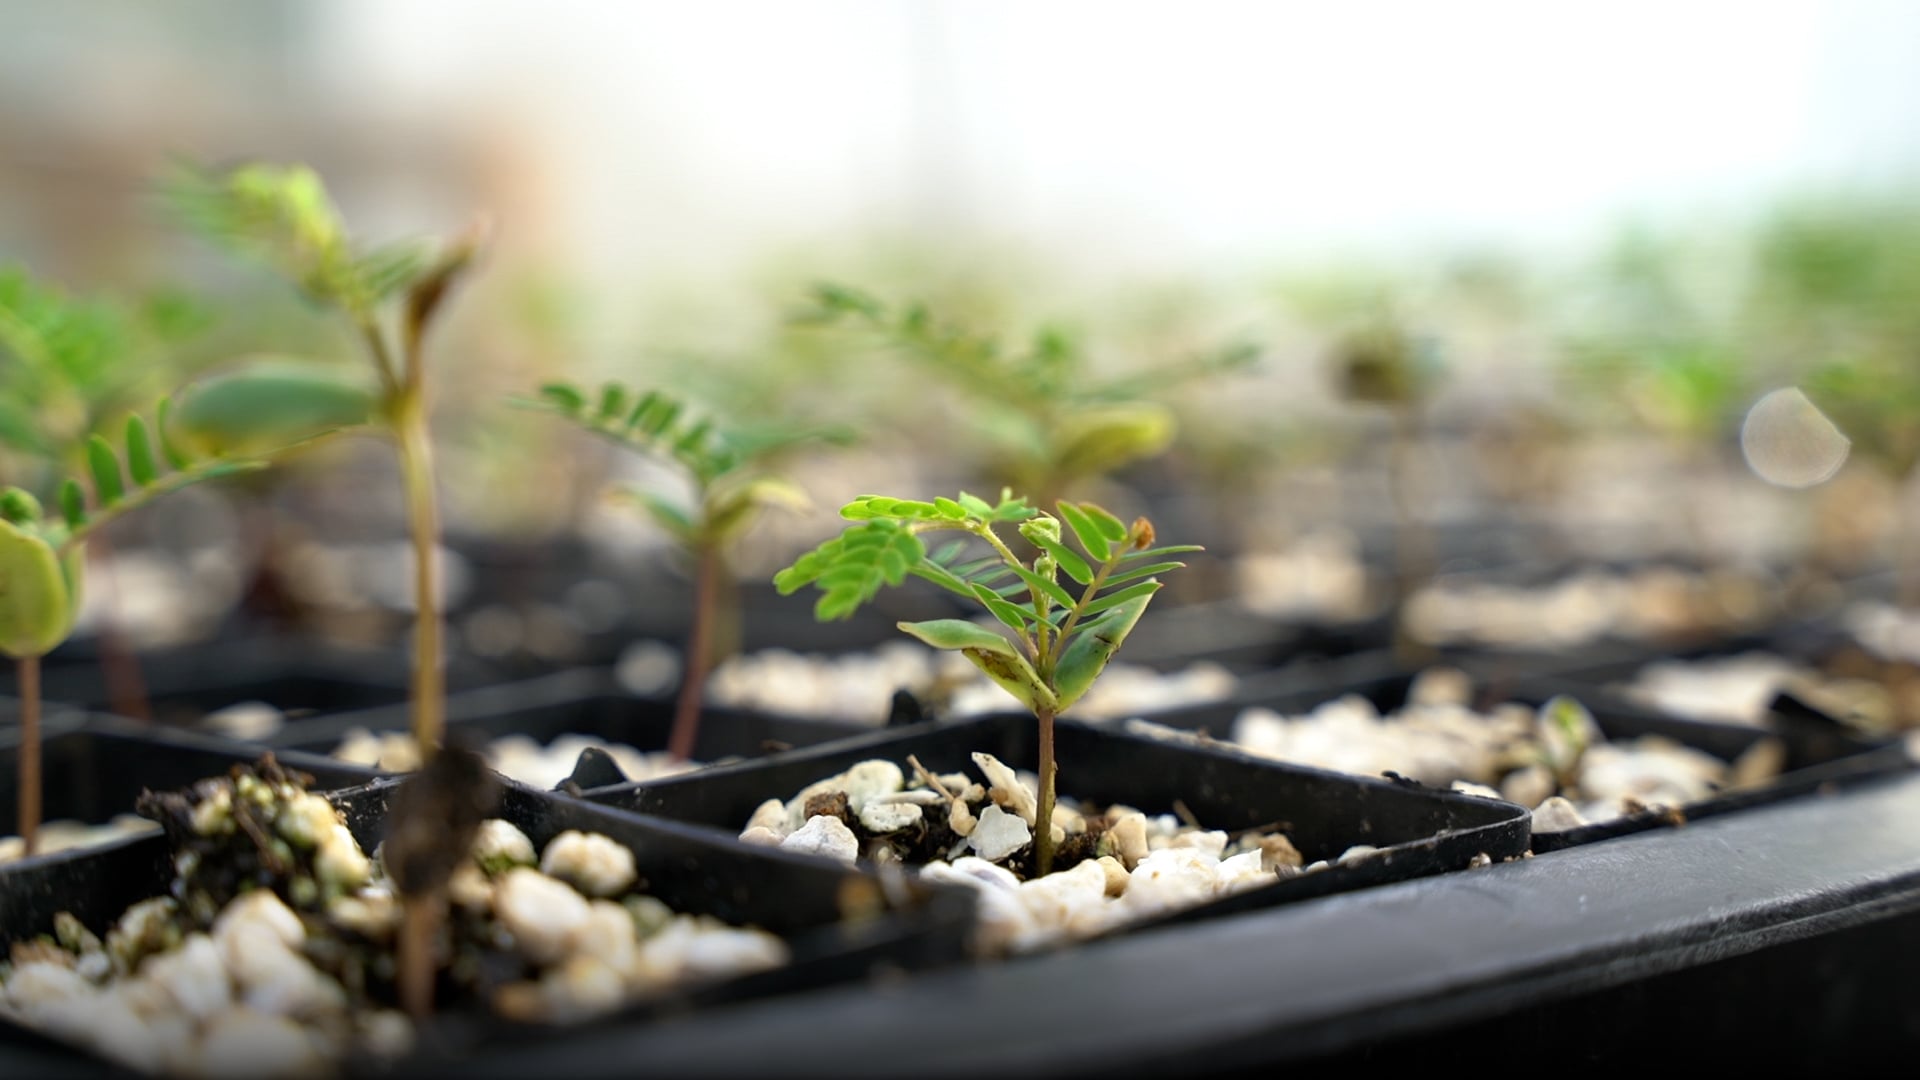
x: 729, y: 474
x: 283, y: 216
x: 435, y: 815
x: 1061, y: 642
x: 1564, y: 741
x: 70, y: 364
x: 1055, y: 424
x: 1380, y: 363
x: 42, y: 559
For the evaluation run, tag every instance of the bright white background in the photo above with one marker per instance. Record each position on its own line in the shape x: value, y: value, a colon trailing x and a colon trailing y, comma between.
x: 1158, y: 134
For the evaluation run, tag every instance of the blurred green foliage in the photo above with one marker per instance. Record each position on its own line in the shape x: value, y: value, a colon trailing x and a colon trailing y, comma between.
x: 1053, y: 421
x: 69, y: 364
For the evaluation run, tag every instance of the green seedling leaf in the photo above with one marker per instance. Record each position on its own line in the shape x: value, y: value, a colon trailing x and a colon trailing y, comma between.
x: 37, y: 601
x: 382, y: 272
x: 919, y: 511
x: 942, y: 577
x: 1055, y: 616
x: 667, y: 514
x: 976, y: 506
x: 1012, y: 509
x: 1012, y: 673
x: 948, y: 552
x: 1100, y: 440
x: 266, y: 405
x: 73, y: 503
x: 141, y: 467
x: 1115, y: 599
x: 1073, y: 564
x: 163, y: 418
x: 805, y: 571
x: 613, y: 401
x: 279, y: 214
x: 850, y: 568
x: 1172, y: 549
x: 1112, y: 528
x: 958, y: 634
x: 1046, y: 585
x: 833, y: 301
x: 19, y: 507
x: 1012, y: 615
x: 1565, y: 738
x: 108, y: 487
x: 731, y: 508
x: 1145, y: 571
x: 1086, y: 656
x: 567, y: 399
x: 656, y: 414
x: 1090, y: 535
x: 693, y: 437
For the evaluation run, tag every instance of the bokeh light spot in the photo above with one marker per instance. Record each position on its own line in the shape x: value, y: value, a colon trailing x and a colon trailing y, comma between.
x: 1788, y: 441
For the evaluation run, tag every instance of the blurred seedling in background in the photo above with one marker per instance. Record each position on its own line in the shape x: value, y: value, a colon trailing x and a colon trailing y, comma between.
x: 731, y: 476
x: 42, y: 557
x: 1837, y: 282
x: 70, y: 365
x: 1054, y: 423
x: 389, y: 295
x: 1061, y: 642
x: 1378, y: 360
x: 1659, y: 348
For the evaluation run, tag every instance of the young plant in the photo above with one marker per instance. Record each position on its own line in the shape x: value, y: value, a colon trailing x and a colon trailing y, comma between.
x: 42, y: 559
x: 1055, y: 423
x: 729, y: 473
x: 1381, y: 364
x: 388, y: 296
x: 1061, y: 641
x: 68, y: 365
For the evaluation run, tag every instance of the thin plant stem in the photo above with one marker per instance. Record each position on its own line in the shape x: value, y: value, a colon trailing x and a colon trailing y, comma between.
x: 415, y: 446
x: 29, y: 812
x: 1043, y: 821
x: 686, y: 710
x: 421, y: 920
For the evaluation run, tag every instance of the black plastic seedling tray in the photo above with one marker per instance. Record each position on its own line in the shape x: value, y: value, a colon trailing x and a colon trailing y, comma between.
x: 1817, y: 758
x: 1323, y: 813
x: 579, y: 702
x: 182, y: 685
x: 841, y: 924
x: 1726, y: 943
x: 95, y: 767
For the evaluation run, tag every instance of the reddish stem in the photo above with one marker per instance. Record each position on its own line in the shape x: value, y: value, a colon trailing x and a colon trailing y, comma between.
x: 686, y: 711
x: 29, y: 813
